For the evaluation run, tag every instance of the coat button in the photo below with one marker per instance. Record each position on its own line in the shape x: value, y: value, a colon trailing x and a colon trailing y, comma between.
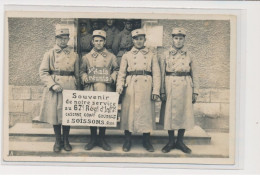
x: 135, y: 80
x: 144, y: 57
x: 145, y: 80
x: 134, y: 57
x: 135, y: 63
x: 182, y: 63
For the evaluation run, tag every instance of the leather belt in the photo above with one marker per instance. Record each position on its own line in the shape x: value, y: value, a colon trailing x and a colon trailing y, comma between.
x: 139, y: 72
x: 177, y: 73
x: 61, y: 73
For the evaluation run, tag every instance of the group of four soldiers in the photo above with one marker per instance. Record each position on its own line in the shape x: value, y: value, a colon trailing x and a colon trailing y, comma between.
x: 135, y: 73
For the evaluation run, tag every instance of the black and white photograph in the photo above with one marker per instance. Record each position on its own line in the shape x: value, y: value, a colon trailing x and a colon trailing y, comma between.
x: 125, y: 87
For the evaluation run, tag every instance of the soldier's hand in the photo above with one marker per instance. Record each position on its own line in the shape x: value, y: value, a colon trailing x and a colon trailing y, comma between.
x: 155, y: 97
x: 163, y: 97
x: 86, y: 80
x: 194, y: 98
x: 57, y: 88
x: 119, y: 90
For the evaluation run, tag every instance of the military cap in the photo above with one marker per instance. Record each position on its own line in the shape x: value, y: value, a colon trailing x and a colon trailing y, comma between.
x: 100, y: 33
x: 179, y: 31
x: 61, y: 30
x: 138, y: 32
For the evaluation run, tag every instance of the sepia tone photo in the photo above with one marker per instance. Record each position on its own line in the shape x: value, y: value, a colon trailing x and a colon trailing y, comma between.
x: 142, y: 88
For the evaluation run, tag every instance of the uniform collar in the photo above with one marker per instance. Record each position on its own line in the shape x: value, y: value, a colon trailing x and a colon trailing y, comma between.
x: 58, y: 49
x: 95, y: 53
x: 144, y: 50
x: 182, y: 51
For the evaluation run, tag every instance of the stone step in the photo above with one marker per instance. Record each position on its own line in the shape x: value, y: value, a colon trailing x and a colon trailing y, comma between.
x: 218, y: 149
x: 25, y: 132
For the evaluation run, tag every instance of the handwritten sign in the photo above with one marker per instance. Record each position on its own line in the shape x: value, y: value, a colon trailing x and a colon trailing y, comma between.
x: 90, y: 108
x: 99, y: 74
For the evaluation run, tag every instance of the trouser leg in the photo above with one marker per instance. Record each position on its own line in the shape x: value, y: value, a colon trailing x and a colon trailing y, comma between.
x: 171, y: 144
x: 102, y: 142
x: 57, y: 130
x: 180, y: 144
x: 146, y: 142
x: 93, y: 138
x: 128, y: 143
x: 66, y: 131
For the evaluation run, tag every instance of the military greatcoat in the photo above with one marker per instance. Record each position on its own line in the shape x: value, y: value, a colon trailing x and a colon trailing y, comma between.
x: 178, y: 89
x: 99, y: 59
x: 111, y: 34
x: 138, y: 109
x: 63, y: 60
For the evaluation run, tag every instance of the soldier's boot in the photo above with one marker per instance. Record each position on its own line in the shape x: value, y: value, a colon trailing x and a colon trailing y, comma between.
x: 93, y: 138
x: 102, y: 142
x: 128, y: 143
x: 66, y: 132
x: 146, y: 142
x: 171, y: 144
x: 179, y: 143
x: 57, y: 146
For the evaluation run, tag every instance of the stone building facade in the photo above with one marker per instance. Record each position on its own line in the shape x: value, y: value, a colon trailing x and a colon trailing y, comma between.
x: 207, y: 40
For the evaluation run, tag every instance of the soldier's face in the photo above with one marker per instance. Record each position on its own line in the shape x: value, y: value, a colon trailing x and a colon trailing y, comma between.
x: 99, y: 42
x: 110, y: 22
x: 62, y: 41
x: 95, y: 25
x: 139, y: 41
x: 178, y: 41
x: 83, y: 28
x: 129, y: 26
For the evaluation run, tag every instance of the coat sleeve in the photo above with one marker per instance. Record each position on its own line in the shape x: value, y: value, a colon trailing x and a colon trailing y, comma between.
x: 83, y: 70
x: 115, y: 69
x: 162, y: 63
x: 44, y: 71
x: 76, y: 72
x: 156, y: 73
x: 116, y: 42
x: 194, y: 77
x: 122, y: 73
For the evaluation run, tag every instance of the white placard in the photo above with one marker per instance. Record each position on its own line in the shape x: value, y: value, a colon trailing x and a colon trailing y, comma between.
x: 90, y: 108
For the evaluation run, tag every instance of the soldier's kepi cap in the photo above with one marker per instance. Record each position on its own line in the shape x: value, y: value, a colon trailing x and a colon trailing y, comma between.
x: 137, y: 32
x: 100, y: 33
x: 179, y: 31
x: 61, y: 30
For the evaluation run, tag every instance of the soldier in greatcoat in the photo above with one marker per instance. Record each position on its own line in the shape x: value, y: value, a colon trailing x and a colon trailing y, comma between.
x: 111, y: 31
x: 85, y: 39
x: 99, y: 56
x: 123, y: 41
x: 59, y: 71
x: 139, y: 81
x: 179, y: 89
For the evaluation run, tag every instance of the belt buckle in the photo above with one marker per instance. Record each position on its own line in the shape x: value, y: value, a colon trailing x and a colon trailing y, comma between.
x: 143, y: 72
